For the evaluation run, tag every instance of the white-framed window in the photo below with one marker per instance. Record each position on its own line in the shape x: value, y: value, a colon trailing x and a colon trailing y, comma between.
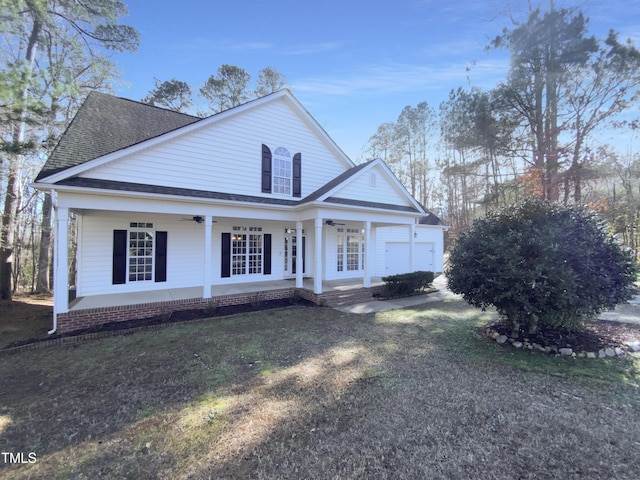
x: 141, y: 245
x: 350, y: 249
x: 246, y: 250
x: 282, y: 171
x: 340, y: 251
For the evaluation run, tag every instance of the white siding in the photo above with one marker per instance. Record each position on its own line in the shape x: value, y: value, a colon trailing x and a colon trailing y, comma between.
x: 226, y: 155
x: 185, y: 254
x: 384, y: 190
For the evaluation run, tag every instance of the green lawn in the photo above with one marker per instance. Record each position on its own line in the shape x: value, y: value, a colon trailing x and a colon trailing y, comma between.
x: 309, y: 392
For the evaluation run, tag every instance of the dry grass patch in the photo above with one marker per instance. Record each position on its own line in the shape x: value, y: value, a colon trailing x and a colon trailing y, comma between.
x: 26, y: 317
x: 306, y: 392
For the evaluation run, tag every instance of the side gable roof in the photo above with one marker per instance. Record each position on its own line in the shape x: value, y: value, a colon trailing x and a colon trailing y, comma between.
x: 105, y: 124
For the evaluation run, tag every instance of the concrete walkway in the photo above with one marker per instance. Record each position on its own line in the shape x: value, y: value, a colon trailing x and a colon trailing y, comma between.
x: 383, y: 305
x: 628, y: 313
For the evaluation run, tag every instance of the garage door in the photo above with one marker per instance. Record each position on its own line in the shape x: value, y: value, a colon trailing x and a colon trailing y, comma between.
x: 397, y: 257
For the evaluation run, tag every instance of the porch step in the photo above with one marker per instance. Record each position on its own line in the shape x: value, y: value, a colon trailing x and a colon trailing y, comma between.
x: 349, y: 297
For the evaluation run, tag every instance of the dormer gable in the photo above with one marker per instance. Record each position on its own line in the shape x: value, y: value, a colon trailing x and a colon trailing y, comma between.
x: 369, y: 184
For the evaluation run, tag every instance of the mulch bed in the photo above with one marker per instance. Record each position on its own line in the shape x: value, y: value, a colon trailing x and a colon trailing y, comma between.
x: 595, y: 336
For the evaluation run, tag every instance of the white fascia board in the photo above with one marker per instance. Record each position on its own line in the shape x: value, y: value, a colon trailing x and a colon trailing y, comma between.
x: 359, y: 210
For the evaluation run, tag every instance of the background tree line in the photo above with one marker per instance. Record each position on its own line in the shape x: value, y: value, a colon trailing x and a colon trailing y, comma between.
x: 53, y: 54
x: 535, y: 133
x: 227, y: 88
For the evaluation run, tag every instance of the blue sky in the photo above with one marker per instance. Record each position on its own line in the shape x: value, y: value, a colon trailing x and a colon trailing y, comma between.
x: 353, y: 64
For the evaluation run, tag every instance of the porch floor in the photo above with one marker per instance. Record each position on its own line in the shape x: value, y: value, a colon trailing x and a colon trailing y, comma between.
x: 154, y: 296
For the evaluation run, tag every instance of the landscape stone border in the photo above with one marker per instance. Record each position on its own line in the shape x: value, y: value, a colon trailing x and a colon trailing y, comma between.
x: 627, y: 348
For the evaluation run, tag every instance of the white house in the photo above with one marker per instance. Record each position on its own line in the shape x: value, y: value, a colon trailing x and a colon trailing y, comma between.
x: 178, y: 212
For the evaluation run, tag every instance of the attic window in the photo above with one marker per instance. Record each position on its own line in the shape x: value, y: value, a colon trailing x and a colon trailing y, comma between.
x: 372, y: 179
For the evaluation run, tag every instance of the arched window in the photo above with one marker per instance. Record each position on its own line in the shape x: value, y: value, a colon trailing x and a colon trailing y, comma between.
x: 282, y: 171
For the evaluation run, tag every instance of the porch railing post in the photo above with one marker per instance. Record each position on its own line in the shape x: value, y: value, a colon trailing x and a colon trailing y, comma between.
x: 299, y: 255
x: 317, y: 277
x: 412, y: 246
x: 367, y: 254
x: 61, y: 262
x: 207, y: 273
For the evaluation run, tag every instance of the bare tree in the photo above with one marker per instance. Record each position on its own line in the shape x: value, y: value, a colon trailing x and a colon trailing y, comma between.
x: 269, y: 80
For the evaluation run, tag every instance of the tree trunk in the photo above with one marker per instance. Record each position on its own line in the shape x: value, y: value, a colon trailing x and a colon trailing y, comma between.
x: 7, y: 232
x: 9, y: 213
x: 42, y: 284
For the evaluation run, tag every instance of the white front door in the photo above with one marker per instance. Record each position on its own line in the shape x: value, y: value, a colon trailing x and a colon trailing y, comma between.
x: 291, y: 254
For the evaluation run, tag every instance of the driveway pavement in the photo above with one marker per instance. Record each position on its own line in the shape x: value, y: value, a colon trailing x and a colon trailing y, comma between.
x: 628, y: 313
x: 383, y: 305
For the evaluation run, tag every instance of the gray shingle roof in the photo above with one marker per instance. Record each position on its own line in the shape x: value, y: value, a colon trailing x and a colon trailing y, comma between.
x: 163, y: 190
x: 105, y: 124
x: 205, y: 194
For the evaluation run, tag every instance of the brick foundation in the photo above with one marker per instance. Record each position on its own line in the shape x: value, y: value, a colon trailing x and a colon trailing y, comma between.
x: 91, y: 317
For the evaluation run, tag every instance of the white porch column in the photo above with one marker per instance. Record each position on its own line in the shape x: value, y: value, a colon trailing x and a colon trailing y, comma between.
x: 367, y: 254
x: 299, y: 253
x: 317, y: 278
x: 412, y: 246
x: 207, y: 273
x: 61, y: 262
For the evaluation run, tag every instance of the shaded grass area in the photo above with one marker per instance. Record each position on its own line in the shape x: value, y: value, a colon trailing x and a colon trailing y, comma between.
x: 308, y: 392
x: 27, y: 316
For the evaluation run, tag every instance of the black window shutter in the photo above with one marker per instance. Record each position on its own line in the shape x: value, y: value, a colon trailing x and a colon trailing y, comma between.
x: 266, y: 169
x: 304, y: 254
x: 267, y: 254
x: 119, y: 273
x: 161, y: 257
x: 225, y: 264
x: 297, y: 175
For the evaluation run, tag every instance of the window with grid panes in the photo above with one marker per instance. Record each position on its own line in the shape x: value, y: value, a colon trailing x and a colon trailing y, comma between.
x: 141, y: 235
x: 246, y: 250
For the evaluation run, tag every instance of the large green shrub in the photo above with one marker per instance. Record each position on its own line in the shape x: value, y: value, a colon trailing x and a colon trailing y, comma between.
x: 404, y: 284
x: 542, y: 265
